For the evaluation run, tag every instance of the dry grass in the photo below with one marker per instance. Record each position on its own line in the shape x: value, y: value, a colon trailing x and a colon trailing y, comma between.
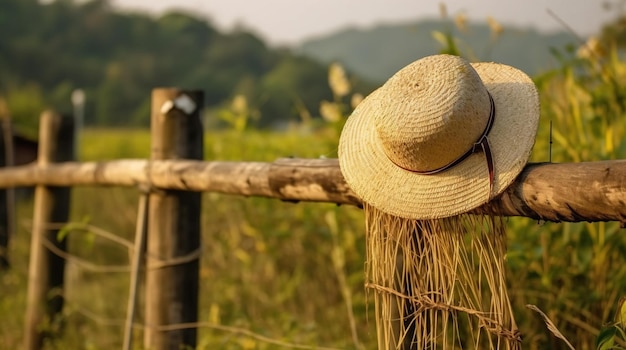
x: 439, y: 284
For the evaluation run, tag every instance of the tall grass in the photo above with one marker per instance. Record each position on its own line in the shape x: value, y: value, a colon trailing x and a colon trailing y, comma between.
x: 273, y: 274
x: 575, y: 273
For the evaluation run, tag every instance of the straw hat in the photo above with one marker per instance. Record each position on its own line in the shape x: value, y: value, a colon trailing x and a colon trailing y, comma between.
x: 440, y: 138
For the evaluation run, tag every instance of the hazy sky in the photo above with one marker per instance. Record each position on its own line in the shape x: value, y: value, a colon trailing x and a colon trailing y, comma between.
x: 289, y: 21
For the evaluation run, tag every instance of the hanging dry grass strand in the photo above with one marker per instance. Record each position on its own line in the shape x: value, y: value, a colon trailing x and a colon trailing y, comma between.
x: 439, y: 284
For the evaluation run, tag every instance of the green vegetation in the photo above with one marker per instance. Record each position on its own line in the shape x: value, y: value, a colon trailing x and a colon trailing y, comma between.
x: 270, y: 268
x: 278, y: 275
x: 576, y: 272
x: 49, y: 49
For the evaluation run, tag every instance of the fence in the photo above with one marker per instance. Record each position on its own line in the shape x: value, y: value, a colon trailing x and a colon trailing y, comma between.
x: 169, y: 209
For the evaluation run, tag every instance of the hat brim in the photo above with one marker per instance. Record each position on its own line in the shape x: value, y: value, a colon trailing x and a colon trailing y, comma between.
x: 391, y: 189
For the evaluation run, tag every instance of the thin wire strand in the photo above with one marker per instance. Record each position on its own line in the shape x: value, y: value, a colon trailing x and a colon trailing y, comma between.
x: 85, y: 264
x: 115, y: 322
x: 80, y: 226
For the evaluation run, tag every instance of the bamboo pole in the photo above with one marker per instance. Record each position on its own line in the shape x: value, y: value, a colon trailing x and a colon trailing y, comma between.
x: 138, y: 258
x: 46, y: 270
x: 173, y: 244
x: 587, y: 191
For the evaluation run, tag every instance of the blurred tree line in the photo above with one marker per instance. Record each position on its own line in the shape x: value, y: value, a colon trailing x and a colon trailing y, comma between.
x: 50, y: 49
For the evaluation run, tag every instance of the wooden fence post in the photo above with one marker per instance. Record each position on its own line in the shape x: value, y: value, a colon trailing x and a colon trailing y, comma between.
x: 173, y: 242
x: 7, y: 196
x: 5, y: 223
x: 46, y: 270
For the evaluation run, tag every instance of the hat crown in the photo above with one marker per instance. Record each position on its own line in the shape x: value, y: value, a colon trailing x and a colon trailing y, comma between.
x: 441, y: 108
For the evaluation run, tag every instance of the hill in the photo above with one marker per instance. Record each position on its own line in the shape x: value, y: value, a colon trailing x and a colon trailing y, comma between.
x: 52, y: 48
x: 376, y: 53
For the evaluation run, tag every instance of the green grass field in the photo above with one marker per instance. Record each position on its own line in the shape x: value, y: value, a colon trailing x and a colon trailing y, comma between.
x: 269, y: 269
x: 279, y: 275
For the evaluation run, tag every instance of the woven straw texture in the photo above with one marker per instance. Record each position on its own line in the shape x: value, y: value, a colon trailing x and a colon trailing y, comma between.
x: 426, y: 116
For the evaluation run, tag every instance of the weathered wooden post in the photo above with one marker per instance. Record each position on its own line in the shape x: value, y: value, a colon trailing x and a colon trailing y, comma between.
x: 46, y: 270
x: 7, y: 196
x: 5, y: 223
x: 173, y: 242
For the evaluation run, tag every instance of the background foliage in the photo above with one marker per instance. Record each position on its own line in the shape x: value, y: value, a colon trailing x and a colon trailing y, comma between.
x: 278, y: 275
x: 51, y: 48
x: 117, y: 57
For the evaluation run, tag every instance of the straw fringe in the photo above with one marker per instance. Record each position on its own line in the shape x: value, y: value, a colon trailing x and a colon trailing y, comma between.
x: 439, y: 284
